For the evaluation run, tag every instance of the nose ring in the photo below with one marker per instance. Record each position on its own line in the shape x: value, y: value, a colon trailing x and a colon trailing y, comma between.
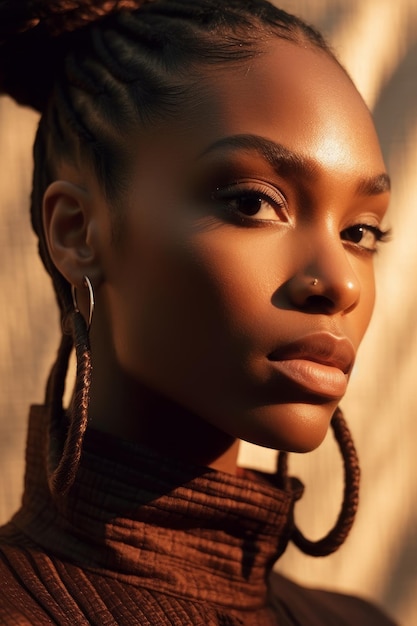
x: 314, y: 282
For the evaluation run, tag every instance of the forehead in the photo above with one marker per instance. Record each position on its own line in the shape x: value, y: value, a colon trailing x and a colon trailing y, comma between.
x: 296, y: 96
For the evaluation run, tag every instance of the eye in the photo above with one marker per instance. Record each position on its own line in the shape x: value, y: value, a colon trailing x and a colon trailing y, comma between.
x: 251, y: 201
x: 365, y: 236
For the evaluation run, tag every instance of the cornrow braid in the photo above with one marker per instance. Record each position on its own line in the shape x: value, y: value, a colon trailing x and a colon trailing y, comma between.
x: 338, y: 534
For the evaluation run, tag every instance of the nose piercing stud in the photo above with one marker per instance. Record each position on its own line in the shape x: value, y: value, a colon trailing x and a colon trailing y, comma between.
x: 314, y: 282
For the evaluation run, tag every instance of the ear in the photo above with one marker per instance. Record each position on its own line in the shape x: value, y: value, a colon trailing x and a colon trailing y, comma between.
x: 70, y: 230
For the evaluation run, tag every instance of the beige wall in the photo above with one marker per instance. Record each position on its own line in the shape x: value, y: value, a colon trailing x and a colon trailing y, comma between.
x: 377, y: 41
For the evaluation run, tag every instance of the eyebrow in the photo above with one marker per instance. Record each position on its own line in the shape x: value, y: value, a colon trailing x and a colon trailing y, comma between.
x: 374, y: 185
x: 286, y: 162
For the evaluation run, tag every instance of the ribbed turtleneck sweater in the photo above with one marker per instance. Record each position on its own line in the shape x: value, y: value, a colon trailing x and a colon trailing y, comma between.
x: 145, y: 540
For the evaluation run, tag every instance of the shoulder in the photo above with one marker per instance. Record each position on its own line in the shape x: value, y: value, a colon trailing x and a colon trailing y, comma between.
x: 316, y: 607
x: 19, y: 606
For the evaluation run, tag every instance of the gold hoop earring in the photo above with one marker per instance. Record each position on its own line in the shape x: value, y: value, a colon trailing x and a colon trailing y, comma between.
x: 87, y: 283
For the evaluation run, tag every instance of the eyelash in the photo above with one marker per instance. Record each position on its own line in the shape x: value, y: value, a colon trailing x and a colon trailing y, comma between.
x: 381, y: 236
x: 257, y: 192
x: 276, y: 200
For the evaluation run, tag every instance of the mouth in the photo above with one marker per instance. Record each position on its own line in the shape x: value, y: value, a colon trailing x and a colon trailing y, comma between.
x: 319, y: 363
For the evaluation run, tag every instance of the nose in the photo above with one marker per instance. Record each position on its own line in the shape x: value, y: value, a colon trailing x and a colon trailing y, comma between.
x: 326, y: 281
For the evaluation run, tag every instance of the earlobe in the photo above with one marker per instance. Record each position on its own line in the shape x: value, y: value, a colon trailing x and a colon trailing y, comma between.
x: 68, y: 223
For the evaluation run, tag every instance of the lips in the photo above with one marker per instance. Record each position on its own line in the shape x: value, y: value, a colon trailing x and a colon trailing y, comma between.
x: 319, y: 363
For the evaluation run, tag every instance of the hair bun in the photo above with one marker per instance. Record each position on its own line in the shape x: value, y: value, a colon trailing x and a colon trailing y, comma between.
x: 56, y: 16
x: 33, y: 38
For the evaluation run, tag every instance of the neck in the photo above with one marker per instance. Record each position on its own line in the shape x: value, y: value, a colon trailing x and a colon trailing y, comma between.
x: 127, y: 409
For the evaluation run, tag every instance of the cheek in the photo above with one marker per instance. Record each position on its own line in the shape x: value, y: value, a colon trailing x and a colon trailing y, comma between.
x: 194, y: 294
x: 360, y: 318
x: 195, y: 319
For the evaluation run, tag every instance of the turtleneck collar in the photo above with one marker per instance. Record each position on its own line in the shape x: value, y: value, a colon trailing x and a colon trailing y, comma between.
x: 159, y: 523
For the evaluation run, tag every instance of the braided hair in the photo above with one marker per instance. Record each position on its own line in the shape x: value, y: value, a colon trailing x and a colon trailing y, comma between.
x: 96, y: 69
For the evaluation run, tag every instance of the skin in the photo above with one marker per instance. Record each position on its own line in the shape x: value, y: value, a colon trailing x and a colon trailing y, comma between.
x: 193, y: 301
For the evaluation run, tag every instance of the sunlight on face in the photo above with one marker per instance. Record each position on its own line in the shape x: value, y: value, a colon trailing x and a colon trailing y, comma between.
x: 246, y: 280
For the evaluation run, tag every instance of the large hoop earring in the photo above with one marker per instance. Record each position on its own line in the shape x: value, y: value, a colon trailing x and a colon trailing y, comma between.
x: 66, y: 444
x: 87, y: 283
x: 337, y: 535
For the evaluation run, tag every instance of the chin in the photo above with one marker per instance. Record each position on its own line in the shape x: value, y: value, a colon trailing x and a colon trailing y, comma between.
x: 291, y: 427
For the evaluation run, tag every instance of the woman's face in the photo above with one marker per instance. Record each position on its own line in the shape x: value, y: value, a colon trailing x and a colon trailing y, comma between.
x: 244, y: 282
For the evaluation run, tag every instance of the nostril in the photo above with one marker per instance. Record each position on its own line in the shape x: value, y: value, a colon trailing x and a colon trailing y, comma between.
x: 318, y: 302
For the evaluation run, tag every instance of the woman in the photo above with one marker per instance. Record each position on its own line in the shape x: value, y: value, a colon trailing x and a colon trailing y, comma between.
x: 209, y: 194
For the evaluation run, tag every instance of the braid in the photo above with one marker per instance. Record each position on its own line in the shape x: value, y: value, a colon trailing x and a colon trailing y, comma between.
x: 338, y: 534
x: 98, y: 69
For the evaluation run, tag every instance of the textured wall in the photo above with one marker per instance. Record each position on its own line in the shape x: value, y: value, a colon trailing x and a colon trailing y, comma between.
x: 377, y: 42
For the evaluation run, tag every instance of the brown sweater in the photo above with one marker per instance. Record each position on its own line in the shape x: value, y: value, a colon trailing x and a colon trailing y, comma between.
x: 144, y: 540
